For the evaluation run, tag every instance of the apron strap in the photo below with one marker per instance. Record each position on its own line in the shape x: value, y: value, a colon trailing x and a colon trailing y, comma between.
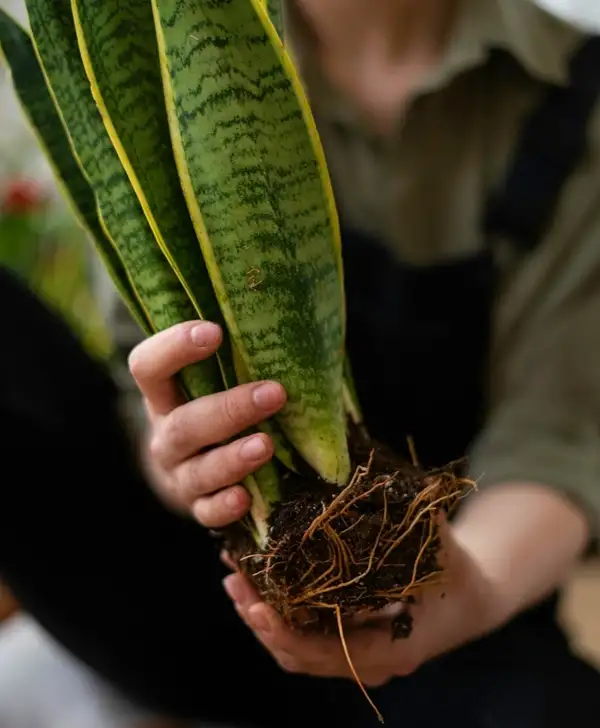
x: 553, y: 141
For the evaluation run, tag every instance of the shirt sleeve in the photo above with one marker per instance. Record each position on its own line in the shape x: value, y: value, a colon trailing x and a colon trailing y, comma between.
x: 544, y: 419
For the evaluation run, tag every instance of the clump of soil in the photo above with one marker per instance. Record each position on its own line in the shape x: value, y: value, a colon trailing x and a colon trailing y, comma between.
x: 335, y: 553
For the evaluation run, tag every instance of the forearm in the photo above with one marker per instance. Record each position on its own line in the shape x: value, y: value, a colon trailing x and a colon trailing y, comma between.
x: 526, y: 539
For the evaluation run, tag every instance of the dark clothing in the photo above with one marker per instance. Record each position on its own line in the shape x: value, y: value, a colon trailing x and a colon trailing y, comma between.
x: 135, y: 591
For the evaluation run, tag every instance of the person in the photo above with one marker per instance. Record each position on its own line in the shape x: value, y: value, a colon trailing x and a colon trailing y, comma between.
x: 463, y: 140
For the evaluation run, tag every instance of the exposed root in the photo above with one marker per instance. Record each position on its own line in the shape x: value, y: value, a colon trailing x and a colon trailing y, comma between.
x: 355, y: 675
x: 374, y: 543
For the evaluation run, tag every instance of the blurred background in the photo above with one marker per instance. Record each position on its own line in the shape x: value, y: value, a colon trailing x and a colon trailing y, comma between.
x: 39, y: 237
x: 40, y: 686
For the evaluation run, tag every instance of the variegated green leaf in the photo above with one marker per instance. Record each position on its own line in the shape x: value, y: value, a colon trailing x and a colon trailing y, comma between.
x: 38, y: 105
x: 156, y: 285
x: 256, y: 185
x: 285, y: 453
x: 275, y: 10
x: 118, y: 44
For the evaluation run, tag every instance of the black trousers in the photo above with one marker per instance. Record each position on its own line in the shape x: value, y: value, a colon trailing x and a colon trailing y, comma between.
x: 135, y: 591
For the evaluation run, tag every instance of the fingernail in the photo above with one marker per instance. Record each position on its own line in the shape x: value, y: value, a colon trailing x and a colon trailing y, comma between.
x: 259, y: 622
x: 253, y: 449
x: 267, y: 396
x: 204, y: 334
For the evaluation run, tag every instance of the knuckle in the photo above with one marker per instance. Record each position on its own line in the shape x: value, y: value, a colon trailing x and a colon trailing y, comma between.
x: 172, y: 492
x: 137, y: 364
x: 187, y: 482
x: 202, y: 514
x: 230, y: 466
x: 174, y: 431
x: 210, y: 513
x: 233, y: 407
x: 194, y: 480
x: 156, y: 448
x: 288, y: 663
x: 212, y: 471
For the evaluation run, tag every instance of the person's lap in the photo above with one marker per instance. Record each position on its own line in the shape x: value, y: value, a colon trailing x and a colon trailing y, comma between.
x: 524, y: 676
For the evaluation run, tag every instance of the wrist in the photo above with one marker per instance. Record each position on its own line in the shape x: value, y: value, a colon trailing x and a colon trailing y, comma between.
x: 483, y: 605
x: 523, y: 540
x: 487, y: 599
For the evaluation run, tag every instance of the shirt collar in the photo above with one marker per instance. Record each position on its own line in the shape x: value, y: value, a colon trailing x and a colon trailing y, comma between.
x: 540, y: 42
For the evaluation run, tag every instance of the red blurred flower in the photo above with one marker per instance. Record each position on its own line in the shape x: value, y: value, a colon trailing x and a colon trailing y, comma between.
x: 22, y: 196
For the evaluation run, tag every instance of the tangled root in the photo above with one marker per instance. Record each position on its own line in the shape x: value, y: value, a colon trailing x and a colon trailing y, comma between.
x: 335, y: 554
x: 374, y: 543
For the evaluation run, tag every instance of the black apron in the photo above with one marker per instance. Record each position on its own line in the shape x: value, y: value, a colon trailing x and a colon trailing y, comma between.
x: 419, y: 337
x: 419, y: 340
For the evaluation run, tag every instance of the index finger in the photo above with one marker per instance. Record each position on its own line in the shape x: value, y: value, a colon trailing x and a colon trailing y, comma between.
x: 155, y: 361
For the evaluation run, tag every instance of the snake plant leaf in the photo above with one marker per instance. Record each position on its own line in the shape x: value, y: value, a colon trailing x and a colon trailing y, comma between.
x: 256, y: 184
x: 275, y: 11
x: 283, y: 450
x: 156, y: 284
x: 38, y: 106
x: 118, y: 46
